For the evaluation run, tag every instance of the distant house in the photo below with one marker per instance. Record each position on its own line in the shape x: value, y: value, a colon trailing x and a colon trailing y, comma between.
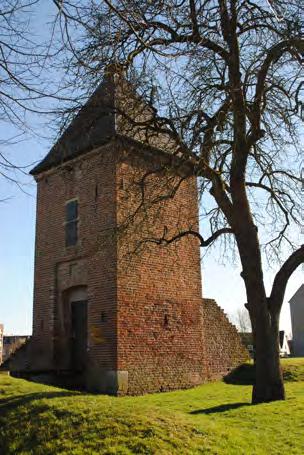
x: 247, y: 340
x: 1, y: 342
x: 284, y: 344
x: 297, y: 321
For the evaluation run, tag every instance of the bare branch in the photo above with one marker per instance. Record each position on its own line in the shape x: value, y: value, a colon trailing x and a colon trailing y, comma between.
x: 282, y: 277
x: 203, y: 242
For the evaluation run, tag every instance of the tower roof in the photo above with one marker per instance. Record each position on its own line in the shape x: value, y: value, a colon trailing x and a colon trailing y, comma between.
x: 113, y: 109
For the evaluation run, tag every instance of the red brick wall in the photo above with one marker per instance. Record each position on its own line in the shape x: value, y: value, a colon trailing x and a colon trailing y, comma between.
x: 159, y: 288
x: 224, y: 349
x: 91, y: 263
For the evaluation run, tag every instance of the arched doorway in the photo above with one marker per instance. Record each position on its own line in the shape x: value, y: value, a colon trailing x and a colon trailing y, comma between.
x: 77, y: 301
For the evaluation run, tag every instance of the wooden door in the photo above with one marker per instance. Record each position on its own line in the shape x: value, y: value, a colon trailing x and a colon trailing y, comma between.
x: 79, y: 334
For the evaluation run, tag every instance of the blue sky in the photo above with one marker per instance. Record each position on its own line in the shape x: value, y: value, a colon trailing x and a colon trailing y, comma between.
x: 17, y: 234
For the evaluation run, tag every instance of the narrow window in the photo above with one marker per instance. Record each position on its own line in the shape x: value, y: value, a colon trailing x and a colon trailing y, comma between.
x: 71, y: 223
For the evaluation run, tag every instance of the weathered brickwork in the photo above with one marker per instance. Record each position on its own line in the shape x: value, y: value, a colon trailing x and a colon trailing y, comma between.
x: 91, y: 263
x: 224, y: 349
x: 159, y: 287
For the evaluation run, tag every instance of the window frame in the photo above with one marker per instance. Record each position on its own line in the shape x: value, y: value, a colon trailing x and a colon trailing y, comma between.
x: 73, y: 222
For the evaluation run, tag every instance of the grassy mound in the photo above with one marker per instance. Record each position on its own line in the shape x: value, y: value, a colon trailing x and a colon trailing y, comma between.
x: 215, y: 418
x: 293, y: 371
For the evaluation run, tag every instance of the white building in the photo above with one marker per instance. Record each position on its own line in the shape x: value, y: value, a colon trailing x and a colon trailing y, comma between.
x: 284, y: 346
x: 297, y: 321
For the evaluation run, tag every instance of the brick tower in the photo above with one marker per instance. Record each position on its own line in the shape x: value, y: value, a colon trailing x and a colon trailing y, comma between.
x: 116, y: 308
x: 120, y: 312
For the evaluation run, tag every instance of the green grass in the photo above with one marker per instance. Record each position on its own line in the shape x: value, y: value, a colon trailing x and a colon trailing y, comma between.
x: 293, y: 371
x: 215, y: 418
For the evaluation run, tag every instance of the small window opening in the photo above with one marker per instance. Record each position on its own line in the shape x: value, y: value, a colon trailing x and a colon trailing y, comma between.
x: 71, y: 223
x: 166, y: 320
x: 103, y: 316
x: 96, y: 192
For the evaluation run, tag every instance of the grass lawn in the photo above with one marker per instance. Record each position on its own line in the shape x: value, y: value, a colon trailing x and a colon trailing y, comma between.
x: 215, y: 418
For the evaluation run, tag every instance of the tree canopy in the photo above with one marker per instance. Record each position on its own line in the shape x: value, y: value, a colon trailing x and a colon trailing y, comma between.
x: 224, y: 81
x: 220, y: 76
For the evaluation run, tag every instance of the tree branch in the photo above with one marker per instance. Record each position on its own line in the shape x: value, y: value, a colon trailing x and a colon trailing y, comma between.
x: 203, y: 243
x: 272, y: 56
x: 282, y: 277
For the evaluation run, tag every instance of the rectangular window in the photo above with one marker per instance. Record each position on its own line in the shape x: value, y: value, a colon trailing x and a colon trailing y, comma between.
x: 71, y: 223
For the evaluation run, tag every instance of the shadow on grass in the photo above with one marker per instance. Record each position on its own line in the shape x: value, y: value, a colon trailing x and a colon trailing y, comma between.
x: 7, y: 404
x: 245, y: 374
x: 25, y: 421
x: 242, y: 375
x: 220, y: 408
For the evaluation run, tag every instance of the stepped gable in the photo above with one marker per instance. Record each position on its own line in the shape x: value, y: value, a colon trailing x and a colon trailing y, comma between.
x: 114, y: 110
x: 223, y: 345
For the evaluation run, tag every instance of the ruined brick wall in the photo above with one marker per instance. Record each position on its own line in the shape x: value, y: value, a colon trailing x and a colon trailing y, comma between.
x: 91, y: 263
x: 159, y: 287
x: 223, y: 346
x: 19, y: 359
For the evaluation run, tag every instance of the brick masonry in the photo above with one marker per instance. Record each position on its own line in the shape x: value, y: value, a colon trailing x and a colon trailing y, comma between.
x: 91, y: 263
x: 159, y: 287
x: 148, y: 328
x: 223, y: 346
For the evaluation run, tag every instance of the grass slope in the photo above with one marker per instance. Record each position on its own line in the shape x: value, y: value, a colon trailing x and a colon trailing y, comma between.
x: 293, y: 371
x: 215, y: 418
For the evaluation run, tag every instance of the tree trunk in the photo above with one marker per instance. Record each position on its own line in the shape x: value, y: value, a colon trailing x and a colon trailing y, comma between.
x: 264, y: 314
x: 269, y: 384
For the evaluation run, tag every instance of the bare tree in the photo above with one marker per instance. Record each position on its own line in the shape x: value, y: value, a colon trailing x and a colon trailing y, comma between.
x: 224, y: 82
x: 242, y: 320
x: 28, y: 85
